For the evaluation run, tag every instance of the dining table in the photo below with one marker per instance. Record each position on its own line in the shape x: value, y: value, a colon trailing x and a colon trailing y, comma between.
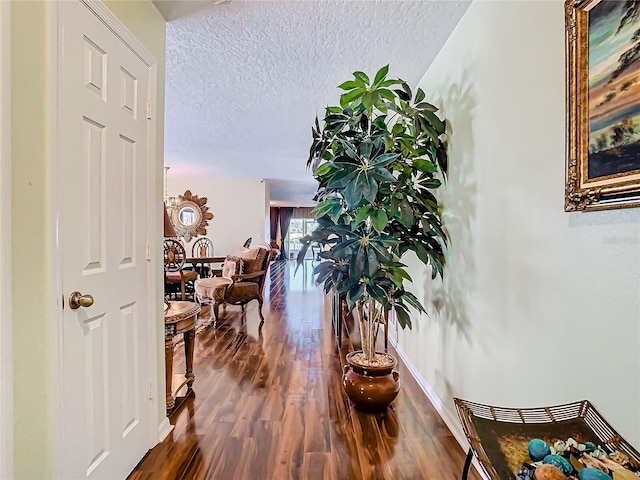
x: 200, y: 265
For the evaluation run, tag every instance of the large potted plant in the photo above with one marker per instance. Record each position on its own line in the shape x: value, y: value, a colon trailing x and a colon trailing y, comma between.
x: 377, y: 157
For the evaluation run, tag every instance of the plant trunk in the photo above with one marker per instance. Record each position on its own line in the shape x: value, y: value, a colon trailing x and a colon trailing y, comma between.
x: 364, y: 329
x: 371, y: 323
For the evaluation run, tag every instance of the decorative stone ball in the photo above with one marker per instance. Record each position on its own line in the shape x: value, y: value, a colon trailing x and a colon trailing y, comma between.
x: 592, y: 474
x: 549, y: 472
x: 538, y: 449
x: 560, y: 462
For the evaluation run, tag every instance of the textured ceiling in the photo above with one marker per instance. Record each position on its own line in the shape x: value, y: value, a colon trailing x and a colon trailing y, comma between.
x: 292, y: 193
x: 245, y: 79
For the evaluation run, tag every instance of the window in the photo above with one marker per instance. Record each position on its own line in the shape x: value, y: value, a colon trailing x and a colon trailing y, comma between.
x: 298, y: 228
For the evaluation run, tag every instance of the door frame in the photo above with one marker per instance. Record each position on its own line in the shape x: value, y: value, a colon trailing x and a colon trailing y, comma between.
x: 6, y: 290
x: 153, y: 240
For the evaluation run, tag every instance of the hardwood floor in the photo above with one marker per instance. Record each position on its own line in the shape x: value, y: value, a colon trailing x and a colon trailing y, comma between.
x: 269, y: 404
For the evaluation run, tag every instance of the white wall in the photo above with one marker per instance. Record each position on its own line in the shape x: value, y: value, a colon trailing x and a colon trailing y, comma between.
x: 538, y: 306
x: 238, y: 207
x: 267, y: 213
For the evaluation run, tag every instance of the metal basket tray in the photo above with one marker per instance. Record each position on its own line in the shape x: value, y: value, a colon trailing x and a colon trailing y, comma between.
x: 499, y: 435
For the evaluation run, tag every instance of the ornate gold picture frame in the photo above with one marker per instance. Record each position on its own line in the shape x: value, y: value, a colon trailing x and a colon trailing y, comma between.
x: 190, y: 216
x: 603, y: 104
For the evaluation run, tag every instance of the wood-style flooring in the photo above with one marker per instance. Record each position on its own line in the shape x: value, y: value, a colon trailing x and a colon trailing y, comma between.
x: 269, y: 404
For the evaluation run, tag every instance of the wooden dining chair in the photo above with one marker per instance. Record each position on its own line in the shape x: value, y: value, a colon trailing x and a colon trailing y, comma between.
x: 174, y: 271
x: 203, y: 248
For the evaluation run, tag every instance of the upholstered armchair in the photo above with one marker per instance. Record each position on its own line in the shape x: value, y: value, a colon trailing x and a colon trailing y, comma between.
x: 243, y: 279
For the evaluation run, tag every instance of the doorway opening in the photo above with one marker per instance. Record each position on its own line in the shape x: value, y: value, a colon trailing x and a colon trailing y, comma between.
x: 298, y: 228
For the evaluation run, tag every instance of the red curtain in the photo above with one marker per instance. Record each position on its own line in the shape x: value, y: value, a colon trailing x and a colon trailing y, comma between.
x: 285, y: 219
x: 273, y: 223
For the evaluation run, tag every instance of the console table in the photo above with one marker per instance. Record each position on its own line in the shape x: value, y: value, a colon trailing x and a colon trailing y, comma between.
x: 180, y: 317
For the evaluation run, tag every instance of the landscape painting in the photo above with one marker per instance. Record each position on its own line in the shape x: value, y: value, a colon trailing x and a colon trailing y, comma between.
x: 613, y: 89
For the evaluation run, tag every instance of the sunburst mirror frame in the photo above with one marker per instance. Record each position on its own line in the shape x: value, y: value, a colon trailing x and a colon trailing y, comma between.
x: 198, y: 205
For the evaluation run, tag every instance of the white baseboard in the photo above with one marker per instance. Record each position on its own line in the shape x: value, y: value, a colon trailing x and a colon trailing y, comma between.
x: 164, y: 429
x: 450, y: 420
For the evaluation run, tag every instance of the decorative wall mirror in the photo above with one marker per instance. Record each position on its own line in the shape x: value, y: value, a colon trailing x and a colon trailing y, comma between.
x: 190, y: 216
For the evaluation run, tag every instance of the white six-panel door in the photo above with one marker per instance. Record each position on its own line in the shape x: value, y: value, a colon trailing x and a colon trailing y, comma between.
x: 102, y: 144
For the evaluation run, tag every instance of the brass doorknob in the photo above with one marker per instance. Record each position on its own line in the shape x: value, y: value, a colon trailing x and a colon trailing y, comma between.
x: 77, y: 300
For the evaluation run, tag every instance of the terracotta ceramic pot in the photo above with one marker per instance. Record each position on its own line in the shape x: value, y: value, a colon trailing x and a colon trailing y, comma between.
x: 371, y: 389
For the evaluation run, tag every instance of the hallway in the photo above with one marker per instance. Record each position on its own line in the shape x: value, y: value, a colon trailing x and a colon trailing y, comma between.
x: 269, y: 404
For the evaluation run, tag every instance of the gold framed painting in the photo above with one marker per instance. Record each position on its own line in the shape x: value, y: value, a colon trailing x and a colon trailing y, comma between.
x: 603, y: 104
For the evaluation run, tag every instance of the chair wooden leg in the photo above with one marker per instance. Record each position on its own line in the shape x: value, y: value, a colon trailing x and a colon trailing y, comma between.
x: 216, y: 307
x: 260, y: 310
x: 182, y: 290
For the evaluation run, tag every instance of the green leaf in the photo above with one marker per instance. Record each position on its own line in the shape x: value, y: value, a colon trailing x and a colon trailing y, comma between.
x: 351, y: 153
x: 424, y: 165
x: 382, y: 174
x: 397, y: 279
x: 336, y: 117
x: 403, y: 317
x: 376, y: 292
x: 407, y: 89
x: 419, y: 95
x: 403, y: 95
x: 372, y: 262
x: 432, y: 133
x: 388, y: 83
x: 353, y: 191
x: 354, y: 294
x: 433, y: 183
x: 357, y: 264
x: 362, y: 214
x: 335, y: 213
x: 401, y: 273
x: 397, y: 129
x: 379, y: 220
x: 427, y: 107
x: 438, y: 124
x: 412, y: 300
x: 324, y: 168
x: 345, y: 247
x: 369, y: 188
x: 443, y: 160
x: 362, y: 76
x: 341, y: 178
x: 381, y: 74
x: 385, y: 159
x: 322, y: 208
x: 422, y: 253
x: 365, y: 148
x: 395, y: 205
x: 367, y: 100
x: 349, y: 85
x: 347, y: 98
x: 388, y: 94
x: 406, y: 213
x: 323, y: 268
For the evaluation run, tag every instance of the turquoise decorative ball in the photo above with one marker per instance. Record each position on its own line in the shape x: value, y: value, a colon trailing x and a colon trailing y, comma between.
x: 592, y: 474
x: 538, y: 449
x: 560, y: 462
